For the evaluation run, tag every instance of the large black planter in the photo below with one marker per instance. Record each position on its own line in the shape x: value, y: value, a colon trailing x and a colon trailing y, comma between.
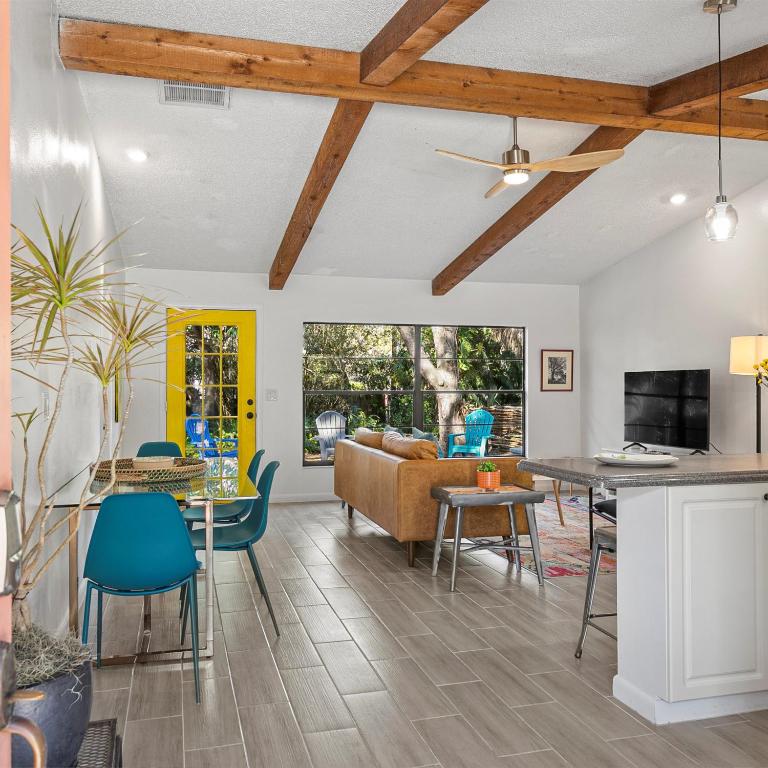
x: 63, y: 716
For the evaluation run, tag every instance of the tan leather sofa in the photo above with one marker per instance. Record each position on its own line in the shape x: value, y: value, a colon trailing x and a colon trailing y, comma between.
x: 395, y: 493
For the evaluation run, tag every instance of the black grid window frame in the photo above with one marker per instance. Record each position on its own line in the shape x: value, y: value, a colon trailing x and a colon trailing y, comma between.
x: 418, y: 391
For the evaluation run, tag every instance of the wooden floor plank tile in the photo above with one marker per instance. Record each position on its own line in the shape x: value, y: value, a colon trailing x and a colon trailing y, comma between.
x: 390, y: 737
x: 232, y: 756
x: 346, y: 603
x: 322, y: 624
x: 272, y: 737
x: 153, y: 743
x: 440, y: 664
x: 503, y: 731
x: 456, y: 744
x: 315, y: 700
x: 350, y: 671
x: 374, y: 639
x: 510, y: 684
x: 339, y: 749
x: 414, y: 693
x: 213, y: 722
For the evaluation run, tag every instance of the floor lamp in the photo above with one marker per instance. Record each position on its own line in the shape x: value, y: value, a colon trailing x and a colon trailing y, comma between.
x: 746, y: 353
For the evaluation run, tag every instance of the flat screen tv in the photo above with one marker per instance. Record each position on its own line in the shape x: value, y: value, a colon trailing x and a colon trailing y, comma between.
x: 669, y: 408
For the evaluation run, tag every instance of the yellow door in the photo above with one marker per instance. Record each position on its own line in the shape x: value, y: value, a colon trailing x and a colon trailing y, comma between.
x: 211, y: 392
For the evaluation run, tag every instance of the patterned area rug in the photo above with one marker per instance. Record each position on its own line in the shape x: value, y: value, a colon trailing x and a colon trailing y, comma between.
x: 565, y: 549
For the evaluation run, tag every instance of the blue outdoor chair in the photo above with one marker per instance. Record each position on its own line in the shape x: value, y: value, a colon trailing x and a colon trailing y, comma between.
x: 232, y: 511
x: 200, y: 436
x: 139, y: 547
x: 476, y: 433
x: 159, y: 448
x: 331, y: 426
x: 243, y: 535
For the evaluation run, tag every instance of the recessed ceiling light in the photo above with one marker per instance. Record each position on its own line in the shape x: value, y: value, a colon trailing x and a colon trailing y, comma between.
x: 136, y: 155
x: 678, y: 198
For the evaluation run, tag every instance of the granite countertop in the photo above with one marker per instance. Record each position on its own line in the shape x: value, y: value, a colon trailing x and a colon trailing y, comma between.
x: 689, y: 470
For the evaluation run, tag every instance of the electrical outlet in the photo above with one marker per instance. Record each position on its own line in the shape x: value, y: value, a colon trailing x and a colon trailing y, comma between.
x: 271, y: 395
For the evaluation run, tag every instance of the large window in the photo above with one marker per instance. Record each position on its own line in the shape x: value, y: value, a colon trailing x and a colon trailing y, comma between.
x: 406, y: 376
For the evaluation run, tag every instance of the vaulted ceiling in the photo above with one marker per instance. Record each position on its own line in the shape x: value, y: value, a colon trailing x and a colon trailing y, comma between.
x: 220, y: 186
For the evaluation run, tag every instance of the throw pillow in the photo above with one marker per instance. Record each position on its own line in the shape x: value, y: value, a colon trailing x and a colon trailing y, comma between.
x: 408, y: 448
x: 368, y: 437
x: 419, y: 435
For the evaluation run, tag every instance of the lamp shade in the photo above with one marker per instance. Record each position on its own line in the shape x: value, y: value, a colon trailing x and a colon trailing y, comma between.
x: 746, y: 352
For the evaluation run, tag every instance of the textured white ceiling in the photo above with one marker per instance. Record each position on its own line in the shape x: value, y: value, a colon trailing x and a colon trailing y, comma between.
x: 632, y: 41
x: 219, y: 187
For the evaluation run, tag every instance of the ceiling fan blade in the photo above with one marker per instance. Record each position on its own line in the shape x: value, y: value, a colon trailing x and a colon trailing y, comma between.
x: 468, y: 159
x: 496, y: 189
x: 573, y: 163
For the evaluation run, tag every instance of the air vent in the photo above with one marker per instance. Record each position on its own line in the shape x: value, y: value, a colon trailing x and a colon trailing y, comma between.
x: 194, y: 94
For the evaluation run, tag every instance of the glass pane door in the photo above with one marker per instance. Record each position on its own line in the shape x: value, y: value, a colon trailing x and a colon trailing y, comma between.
x: 212, y: 356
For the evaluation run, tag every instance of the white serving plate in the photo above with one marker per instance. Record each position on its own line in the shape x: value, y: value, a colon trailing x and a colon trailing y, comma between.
x: 621, y: 459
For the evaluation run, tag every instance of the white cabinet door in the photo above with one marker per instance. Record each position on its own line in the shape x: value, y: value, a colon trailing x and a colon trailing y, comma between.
x: 717, y: 552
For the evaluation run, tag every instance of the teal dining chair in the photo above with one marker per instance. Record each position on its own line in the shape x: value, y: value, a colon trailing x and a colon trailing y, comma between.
x: 140, y: 547
x: 477, y: 432
x: 242, y: 536
x: 159, y: 448
x: 232, y: 511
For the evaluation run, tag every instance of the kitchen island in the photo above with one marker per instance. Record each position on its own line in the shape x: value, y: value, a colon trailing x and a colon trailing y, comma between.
x: 692, y: 582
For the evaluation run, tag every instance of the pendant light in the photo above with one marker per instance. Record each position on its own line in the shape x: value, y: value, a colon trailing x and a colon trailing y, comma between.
x: 721, y: 218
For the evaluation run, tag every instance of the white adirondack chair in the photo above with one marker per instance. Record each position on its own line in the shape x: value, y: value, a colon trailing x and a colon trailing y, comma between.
x: 331, y: 426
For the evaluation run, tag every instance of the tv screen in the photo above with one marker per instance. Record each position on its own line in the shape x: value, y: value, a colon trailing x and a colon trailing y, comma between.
x: 669, y: 408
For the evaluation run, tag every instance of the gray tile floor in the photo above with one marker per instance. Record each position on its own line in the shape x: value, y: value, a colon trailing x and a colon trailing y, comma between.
x: 378, y: 665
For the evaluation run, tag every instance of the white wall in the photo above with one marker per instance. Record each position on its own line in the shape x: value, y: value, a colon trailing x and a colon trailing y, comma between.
x: 53, y: 160
x: 550, y: 314
x: 675, y: 304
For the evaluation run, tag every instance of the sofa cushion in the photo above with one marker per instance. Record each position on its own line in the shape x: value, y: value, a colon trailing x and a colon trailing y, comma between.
x: 368, y: 437
x: 407, y: 447
x: 419, y: 435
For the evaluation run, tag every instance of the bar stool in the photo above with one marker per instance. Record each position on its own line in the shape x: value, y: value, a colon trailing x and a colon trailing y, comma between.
x: 604, y: 541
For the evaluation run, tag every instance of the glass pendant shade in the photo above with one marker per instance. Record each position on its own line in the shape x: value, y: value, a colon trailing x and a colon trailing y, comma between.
x: 721, y: 221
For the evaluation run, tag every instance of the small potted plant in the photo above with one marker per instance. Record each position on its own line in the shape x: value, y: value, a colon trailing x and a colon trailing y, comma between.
x: 488, y: 476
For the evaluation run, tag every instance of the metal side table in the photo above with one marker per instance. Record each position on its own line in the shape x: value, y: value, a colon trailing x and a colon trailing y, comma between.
x: 460, y: 497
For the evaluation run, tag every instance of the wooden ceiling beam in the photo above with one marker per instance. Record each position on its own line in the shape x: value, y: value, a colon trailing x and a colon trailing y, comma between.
x: 343, y: 128
x: 544, y: 196
x: 418, y: 26
x: 743, y: 74
x: 161, y: 53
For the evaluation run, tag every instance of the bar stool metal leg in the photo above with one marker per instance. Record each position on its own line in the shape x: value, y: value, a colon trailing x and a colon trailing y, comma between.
x: 456, y: 546
x: 515, y: 538
x: 594, y: 567
x: 533, y: 531
x: 441, y: 520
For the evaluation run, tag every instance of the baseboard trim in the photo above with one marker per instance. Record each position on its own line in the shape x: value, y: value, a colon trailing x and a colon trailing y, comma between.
x: 307, y: 497
x: 661, y: 712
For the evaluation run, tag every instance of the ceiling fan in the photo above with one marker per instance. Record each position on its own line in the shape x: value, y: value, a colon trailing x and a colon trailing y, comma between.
x: 516, y: 163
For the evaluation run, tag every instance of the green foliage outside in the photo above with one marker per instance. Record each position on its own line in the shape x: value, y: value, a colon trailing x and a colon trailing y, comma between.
x: 366, y: 372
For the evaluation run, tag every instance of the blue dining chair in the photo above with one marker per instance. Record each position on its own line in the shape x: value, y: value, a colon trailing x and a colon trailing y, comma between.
x: 139, y: 547
x: 232, y: 511
x: 243, y: 535
x: 159, y: 448
x: 477, y: 432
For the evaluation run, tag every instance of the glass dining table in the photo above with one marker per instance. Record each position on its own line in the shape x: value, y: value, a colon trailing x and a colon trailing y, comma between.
x: 188, y: 493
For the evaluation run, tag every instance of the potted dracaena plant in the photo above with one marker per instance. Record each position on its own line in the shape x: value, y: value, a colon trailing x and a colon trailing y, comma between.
x: 488, y: 476
x: 65, y: 319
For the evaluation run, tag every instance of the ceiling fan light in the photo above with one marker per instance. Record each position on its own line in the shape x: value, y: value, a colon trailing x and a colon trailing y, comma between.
x: 721, y: 221
x: 515, y: 176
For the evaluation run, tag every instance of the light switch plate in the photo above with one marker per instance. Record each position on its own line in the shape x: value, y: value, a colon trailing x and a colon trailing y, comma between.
x: 271, y: 395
